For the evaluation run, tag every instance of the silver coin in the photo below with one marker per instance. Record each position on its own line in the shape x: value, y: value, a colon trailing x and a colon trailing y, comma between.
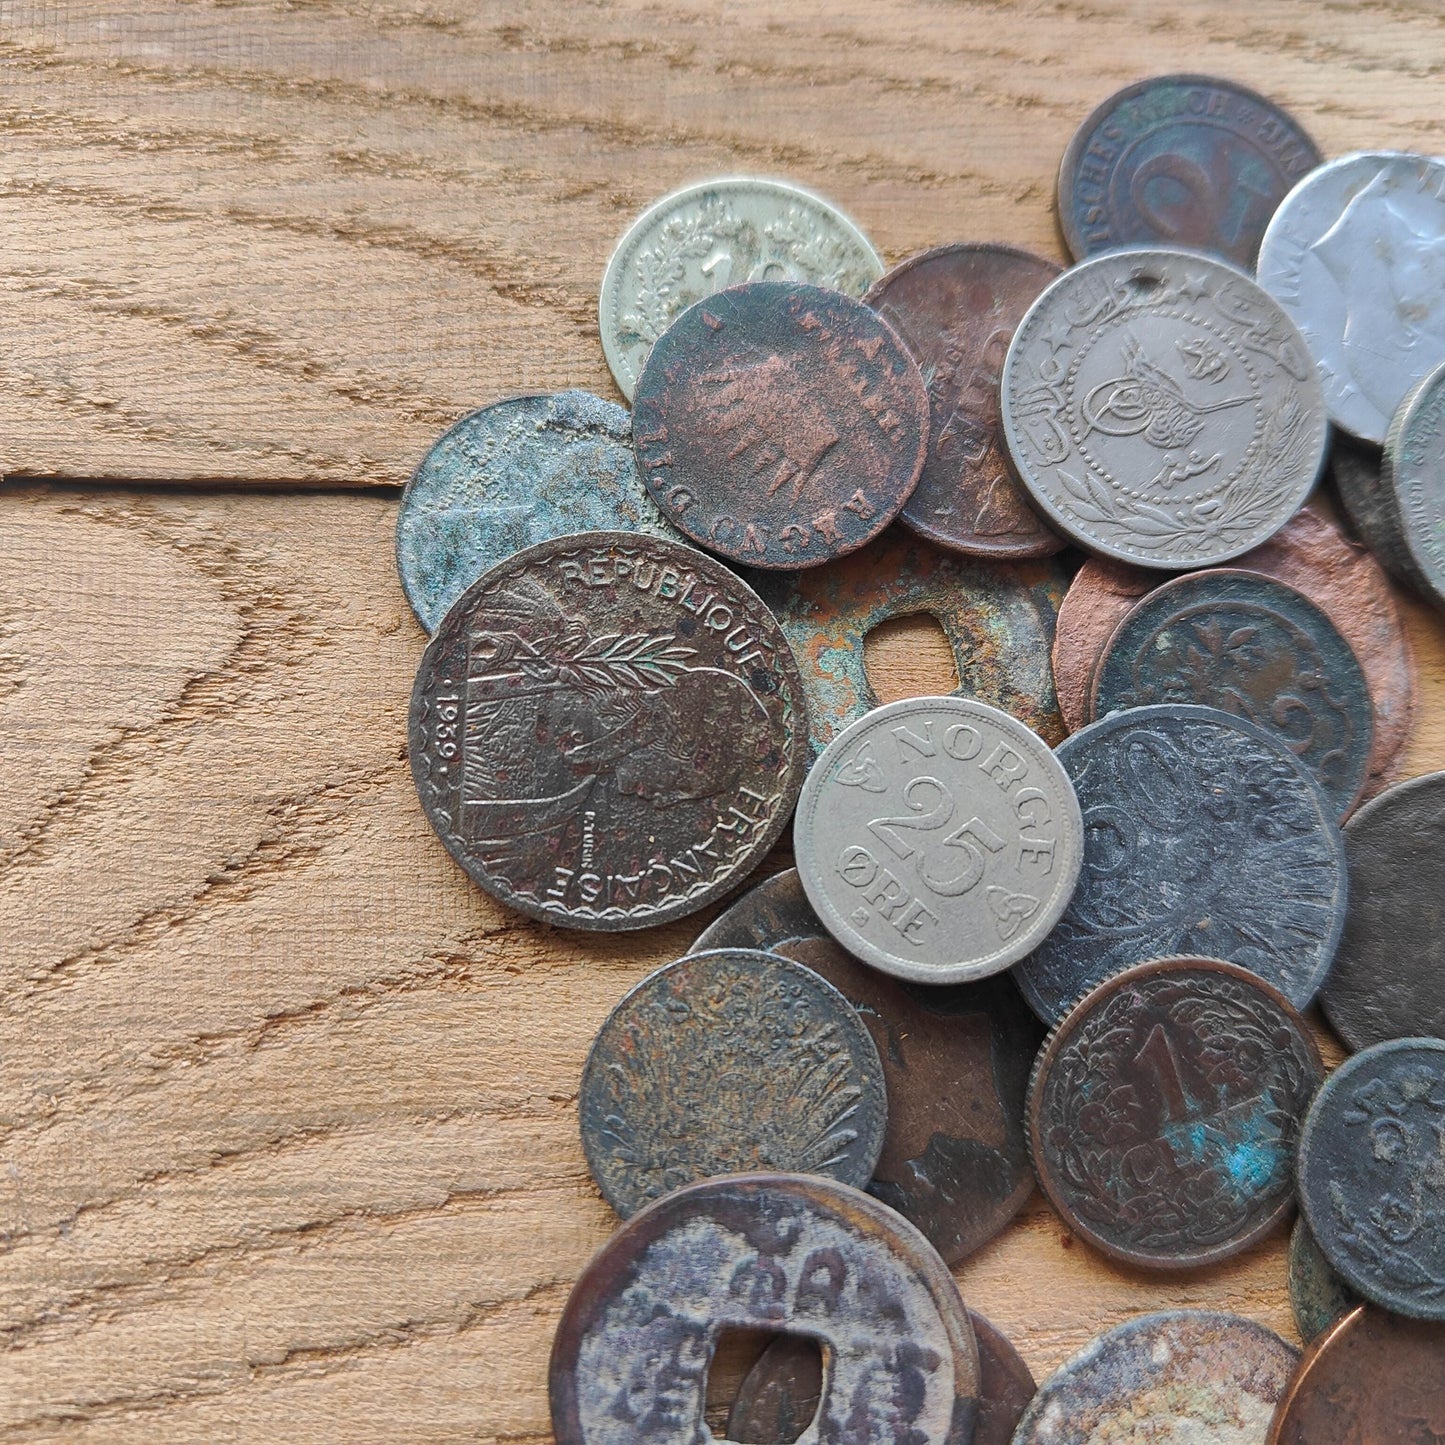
x: 1415, y: 474
x: 1161, y: 409
x: 1356, y: 255
x: 938, y: 839
x: 704, y: 238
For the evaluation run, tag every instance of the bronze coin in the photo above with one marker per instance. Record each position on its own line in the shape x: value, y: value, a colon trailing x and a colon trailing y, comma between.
x: 779, y: 424
x: 1317, y: 1295
x: 956, y: 308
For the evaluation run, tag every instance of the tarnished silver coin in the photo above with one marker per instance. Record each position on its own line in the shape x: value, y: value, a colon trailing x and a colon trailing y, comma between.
x: 938, y: 839
x: 707, y: 237
x: 1356, y: 255
x: 1162, y: 409
x: 1415, y: 473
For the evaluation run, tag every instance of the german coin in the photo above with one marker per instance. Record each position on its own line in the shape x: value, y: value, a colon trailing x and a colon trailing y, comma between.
x: 956, y: 308
x: 1354, y: 255
x: 608, y: 731
x: 1415, y: 473
x: 1161, y: 409
x: 1164, y: 1111
x: 508, y: 476
x: 780, y: 425
x: 787, y: 1253
x: 1317, y: 1295
x: 938, y: 839
x: 725, y: 1063
x: 1251, y: 646
x: 1204, y: 836
x: 1180, y: 160
x: 1388, y: 978
x: 704, y: 238
x: 1372, y: 1174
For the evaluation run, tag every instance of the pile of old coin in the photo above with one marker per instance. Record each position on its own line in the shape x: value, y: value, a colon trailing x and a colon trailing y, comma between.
x: 647, y: 657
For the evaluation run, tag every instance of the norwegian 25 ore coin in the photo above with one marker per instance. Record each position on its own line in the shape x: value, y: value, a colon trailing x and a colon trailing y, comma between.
x: 780, y: 424
x: 1317, y: 1295
x: 938, y: 839
x: 608, y: 731
x: 1180, y: 160
x: 1415, y: 473
x: 1162, y: 409
x: 786, y: 1253
x: 1164, y: 1111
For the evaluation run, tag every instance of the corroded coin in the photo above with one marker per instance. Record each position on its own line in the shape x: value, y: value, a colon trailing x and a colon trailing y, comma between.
x: 956, y: 308
x: 1182, y: 1375
x: 1180, y: 160
x: 1317, y: 1295
x: 608, y: 731
x: 704, y: 238
x: 1204, y: 837
x: 1372, y: 1174
x: 1251, y: 646
x: 1164, y: 1111
x: 723, y: 1063
x: 1415, y: 473
x: 938, y: 839
x: 780, y: 425
x: 769, y: 916
x: 787, y: 1253
x: 1161, y: 409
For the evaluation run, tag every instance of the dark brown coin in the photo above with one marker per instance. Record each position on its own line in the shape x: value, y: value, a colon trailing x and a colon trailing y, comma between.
x: 607, y: 730
x: 1098, y: 600
x: 788, y: 1253
x: 770, y: 915
x: 956, y: 308
x: 1317, y: 1295
x: 780, y: 424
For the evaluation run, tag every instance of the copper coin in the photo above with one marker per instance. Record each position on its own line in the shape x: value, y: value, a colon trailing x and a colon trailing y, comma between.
x: 956, y: 308
x: 1317, y: 1295
x: 779, y: 424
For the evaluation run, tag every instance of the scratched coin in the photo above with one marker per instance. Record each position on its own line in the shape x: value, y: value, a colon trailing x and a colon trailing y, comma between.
x: 1162, y: 409
x: 787, y: 1253
x: 608, y: 730
x: 780, y: 425
x: 1372, y: 1174
x: 1317, y: 1295
x: 1204, y: 836
x: 1164, y: 1111
x: 720, y: 233
x: 1415, y: 473
x: 938, y: 839
x: 956, y: 308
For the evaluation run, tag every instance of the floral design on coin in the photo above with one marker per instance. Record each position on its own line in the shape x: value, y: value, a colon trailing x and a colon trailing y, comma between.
x: 1415, y: 474
x: 608, y: 731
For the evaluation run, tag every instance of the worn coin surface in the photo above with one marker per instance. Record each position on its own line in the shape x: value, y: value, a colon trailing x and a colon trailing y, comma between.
x: 608, y: 731
x: 1205, y: 837
x: 1162, y: 409
x: 707, y: 237
x: 938, y: 839
x: 1178, y: 1376
x: 1180, y: 160
x: 1164, y: 1111
x: 789, y: 1253
x: 1372, y: 1174
x: 1354, y: 255
x: 1317, y: 1295
x: 956, y: 308
x: 1415, y: 473
x: 780, y: 424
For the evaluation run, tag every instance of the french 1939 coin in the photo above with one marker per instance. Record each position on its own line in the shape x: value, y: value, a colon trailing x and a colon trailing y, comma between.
x: 720, y: 233
x: 787, y: 1253
x: 608, y: 730
x: 1162, y: 409
x: 724, y: 1063
x: 1204, y: 836
x: 1317, y: 1295
x: 1415, y: 473
x: 938, y: 839
x: 956, y: 308
x: 508, y: 476
x: 1164, y: 1111
x: 780, y: 424
x: 1354, y: 254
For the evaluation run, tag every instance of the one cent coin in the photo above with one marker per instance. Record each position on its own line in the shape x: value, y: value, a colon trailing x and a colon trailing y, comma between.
x: 938, y: 839
x: 1372, y: 1174
x: 787, y: 1253
x: 956, y: 308
x: 608, y: 731
x: 1164, y: 1112
x: 1317, y: 1295
x: 1415, y: 472
x: 780, y: 425
x: 1204, y: 837
x: 1162, y: 409
x: 1180, y: 160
